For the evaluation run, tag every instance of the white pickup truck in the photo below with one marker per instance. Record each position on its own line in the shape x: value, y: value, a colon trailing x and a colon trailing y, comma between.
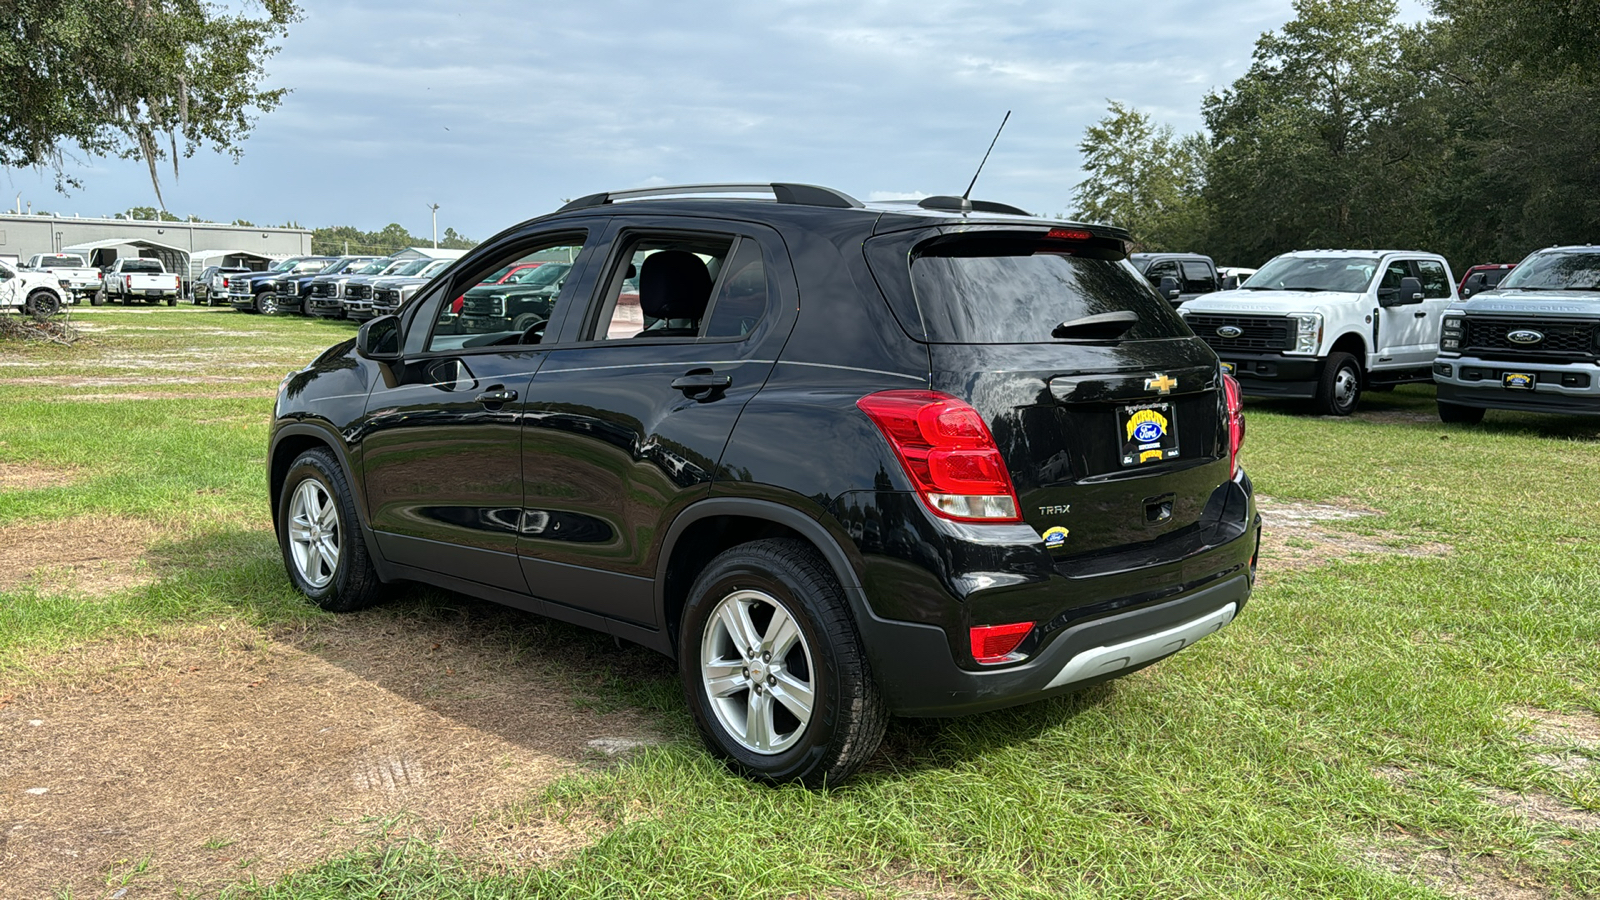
x: 1328, y: 324
x: 34, y: 293
x: 142, y: 281
x: 81, y: 279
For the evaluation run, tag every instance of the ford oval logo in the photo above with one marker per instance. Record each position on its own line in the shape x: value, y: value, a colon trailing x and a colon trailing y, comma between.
x: 1525, y: 336
x: 1230, y: 331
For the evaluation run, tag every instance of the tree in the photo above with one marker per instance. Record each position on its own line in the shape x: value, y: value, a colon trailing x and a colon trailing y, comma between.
x: 1326, y: 140
x: 1142, y: 178
x: 133, y: 78
x: 1547, y: 35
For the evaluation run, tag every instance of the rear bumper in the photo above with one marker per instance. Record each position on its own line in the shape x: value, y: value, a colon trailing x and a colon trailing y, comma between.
x: 1096, y: 617
x: 913, y: 665
x: 1273, y: 374
x: 1563, y: 388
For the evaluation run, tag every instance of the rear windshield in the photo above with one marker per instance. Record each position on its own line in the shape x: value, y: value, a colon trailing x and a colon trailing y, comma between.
x: 142, y: 265
x: 61, y: 262
x: 1008, y: 290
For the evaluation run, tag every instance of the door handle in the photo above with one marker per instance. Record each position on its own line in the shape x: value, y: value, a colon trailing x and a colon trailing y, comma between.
x: 1420, y: 315
x: 701, y: 384
x: 498, y: 395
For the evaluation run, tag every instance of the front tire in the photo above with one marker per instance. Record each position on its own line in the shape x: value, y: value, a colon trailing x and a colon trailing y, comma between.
x: 267, y: 303
x: 1339, y: 390
x: 320, y: 536
x: 1456, y: 414
x: 773, y: 669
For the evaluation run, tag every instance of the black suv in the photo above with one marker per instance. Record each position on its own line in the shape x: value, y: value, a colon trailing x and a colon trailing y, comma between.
x: 841, y: 462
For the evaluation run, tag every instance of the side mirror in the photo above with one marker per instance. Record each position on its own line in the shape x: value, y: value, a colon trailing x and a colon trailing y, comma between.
x: 1410, y: 290
x: 379, y: 339
x: 1168, y: 287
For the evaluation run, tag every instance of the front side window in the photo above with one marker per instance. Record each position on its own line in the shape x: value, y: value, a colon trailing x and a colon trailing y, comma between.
x: 1391, y: 276
x: 1198, y: 277
x: 662, y: 287
x: 511, y: 312
x: 1435, y: 283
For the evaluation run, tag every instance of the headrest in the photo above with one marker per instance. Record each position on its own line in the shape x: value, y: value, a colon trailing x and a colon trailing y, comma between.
x: 674, y: 284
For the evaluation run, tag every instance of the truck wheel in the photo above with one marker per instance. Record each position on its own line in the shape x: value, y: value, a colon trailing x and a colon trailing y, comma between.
x: 267, y: 303
x: 773, y: 669
x: 320, y: 536
x: 98, y: 298
x: 173, y: 300
x: 1339, y: 390
x: 1456, y: 414
x: 42, y: 304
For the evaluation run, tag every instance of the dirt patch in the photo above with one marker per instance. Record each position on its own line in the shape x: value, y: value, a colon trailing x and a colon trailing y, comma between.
x: 223, y: 755
x: 91, y: 554
x: 1480, y: 878
x: 1296, y: 535
x: 1571, y: 765
x: 1554, y: 729
x: 1541, y: 807
x: 33, y: 477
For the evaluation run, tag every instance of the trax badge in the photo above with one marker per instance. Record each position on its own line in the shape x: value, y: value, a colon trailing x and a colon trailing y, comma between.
x: 1161, y: 383
x: 1055, y: 538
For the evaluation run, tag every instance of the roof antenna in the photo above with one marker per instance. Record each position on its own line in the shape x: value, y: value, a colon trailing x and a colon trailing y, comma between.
x: 966, y: 197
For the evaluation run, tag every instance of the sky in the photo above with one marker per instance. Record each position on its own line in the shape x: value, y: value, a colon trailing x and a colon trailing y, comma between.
x: 497, y: 110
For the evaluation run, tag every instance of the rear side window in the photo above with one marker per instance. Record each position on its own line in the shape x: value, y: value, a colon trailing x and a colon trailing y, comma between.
x: 1435, y: 283
x: 1008, y: 290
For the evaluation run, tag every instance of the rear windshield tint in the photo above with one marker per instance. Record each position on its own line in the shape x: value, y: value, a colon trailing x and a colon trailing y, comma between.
x: 142, y: 266
x: 1016, y: 291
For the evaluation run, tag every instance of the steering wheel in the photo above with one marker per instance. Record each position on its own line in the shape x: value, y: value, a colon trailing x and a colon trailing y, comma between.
x: 534, y: 333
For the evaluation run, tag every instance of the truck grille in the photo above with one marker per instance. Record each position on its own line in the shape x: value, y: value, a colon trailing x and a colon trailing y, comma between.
x: 386, y: 299
x: 1256, y: 332
x: 494, y: 307
x: 358, y: 292
x: 1562, y: 340
x: 324, y: 289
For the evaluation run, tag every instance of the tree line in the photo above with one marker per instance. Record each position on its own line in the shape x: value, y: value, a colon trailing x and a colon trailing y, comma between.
x: 1475, y: 134
x: 333, y: 240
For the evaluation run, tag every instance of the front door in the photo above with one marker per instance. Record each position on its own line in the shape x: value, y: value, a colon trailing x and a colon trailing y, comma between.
x: 1408, y: 334
x: 627, y: 419
x: 442, y: 441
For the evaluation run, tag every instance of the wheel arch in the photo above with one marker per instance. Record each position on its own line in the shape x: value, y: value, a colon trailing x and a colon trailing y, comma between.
x: 1353, y: 343
x: 711, y: 526
x: 294, y: 439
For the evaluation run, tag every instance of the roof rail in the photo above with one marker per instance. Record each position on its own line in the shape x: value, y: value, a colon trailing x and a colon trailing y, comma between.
x: 963, y: 205
x: 782, y: 191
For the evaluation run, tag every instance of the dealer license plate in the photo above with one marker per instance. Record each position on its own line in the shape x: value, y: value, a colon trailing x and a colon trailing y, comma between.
x: 1519, y: 381
x: 1148, y: 433
x: 152, y: 293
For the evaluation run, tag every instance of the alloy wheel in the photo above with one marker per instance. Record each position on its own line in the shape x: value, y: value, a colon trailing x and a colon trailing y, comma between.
x: 757, y: 672
x: 314, y: 534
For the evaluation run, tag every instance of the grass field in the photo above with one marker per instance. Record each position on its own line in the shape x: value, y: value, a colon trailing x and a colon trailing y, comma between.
x: 1407, y: 708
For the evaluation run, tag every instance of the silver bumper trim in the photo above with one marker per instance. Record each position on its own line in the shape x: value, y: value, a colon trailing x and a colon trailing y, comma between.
x: 1102, y: 661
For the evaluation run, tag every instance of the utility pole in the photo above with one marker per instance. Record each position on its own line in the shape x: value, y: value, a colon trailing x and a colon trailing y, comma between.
x: 435, y: 208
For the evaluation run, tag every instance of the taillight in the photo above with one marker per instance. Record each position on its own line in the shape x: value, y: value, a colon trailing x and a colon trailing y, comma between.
x: 948, y: 452
x: 1068, y: 234
x: 224, y: 284
x: 127, y: 281
x: 100, y: 275
x: 994, y: 643
x: 1235, y: 398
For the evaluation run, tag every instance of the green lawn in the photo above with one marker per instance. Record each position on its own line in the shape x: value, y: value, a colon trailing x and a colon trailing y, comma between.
x: 1349, y: 725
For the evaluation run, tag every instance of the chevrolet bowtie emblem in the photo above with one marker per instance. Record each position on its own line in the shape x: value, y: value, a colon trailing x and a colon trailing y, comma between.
x: 1161, y: 383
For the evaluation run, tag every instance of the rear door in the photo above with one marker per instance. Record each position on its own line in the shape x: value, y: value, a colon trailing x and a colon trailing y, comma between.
x: 627, y: 419
x: 1111, y: 439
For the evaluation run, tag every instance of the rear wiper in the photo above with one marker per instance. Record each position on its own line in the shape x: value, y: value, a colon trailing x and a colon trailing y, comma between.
x: 1102, y: 327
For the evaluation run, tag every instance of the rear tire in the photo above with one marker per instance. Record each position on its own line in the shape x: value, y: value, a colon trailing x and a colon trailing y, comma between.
x: 320, y: 536
x: 1339, y: 389
x: 1456, y: 414
x: 173, y: 300
x: 42, y: 304
x: 773, y: 668
x: 98, y: 298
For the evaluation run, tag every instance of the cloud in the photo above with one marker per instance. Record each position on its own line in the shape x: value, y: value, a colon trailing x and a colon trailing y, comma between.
x: 496, y: 110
